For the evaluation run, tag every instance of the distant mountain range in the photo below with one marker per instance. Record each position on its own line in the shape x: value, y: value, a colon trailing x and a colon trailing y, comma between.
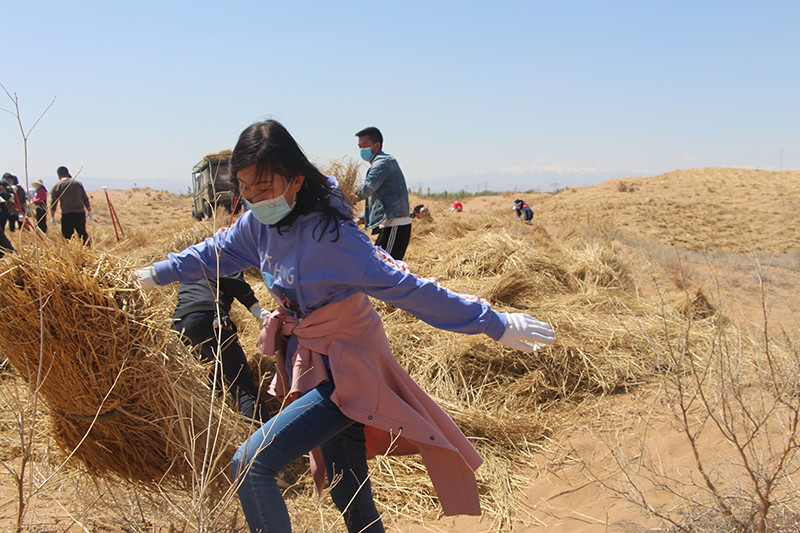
x: 526, y: 180
x: 95, y: 184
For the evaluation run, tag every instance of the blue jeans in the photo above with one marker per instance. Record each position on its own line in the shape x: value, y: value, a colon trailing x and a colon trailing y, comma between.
x: 310, y: 421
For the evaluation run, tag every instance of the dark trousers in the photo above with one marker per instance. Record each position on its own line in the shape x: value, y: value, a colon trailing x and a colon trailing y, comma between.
x: 394, y: 240
x: 41, y: 218
x: 528, y: 215
x: 198, y: 330
x: 14, y: 222
x: 5, y: 244
x: 74, y: 223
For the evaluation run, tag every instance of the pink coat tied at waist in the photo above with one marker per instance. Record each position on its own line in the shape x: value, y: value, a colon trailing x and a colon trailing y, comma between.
x: 372, y: 388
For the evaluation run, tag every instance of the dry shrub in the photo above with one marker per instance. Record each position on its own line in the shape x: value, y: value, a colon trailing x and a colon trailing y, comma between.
x: 733, y: 397
x: 125, y: 396
x: 622, y: 187
x: 693, y: 304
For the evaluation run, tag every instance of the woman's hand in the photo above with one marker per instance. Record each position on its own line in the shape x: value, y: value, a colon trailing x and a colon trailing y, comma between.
x: 258, y: 312
x: 522, y: 329
x: 146, y: 277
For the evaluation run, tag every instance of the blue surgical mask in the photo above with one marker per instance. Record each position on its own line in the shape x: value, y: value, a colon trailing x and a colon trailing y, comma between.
x: 366, y: 154
x: 271, y: 211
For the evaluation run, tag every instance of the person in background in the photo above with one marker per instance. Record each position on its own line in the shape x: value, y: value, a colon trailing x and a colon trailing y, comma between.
x: 346, y: 398
x: 18, y: 202
x: 420, y: 211
x: 40, y: 205
x: 69, y: 194
x: 385, y: 194
x: 523, y: 210
x: 201, y: 322
x: 456, y: 206
x: 5, y: 214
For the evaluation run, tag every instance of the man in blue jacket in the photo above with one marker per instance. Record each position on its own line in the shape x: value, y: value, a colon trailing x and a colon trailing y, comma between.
x: 387, y: 210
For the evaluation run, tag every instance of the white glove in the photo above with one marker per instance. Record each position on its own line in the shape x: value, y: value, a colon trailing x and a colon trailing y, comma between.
x: 89, y: 214
x: 259, y: 313
x: 522, y: 329
x: 146, y: 277
x: 52, y: 221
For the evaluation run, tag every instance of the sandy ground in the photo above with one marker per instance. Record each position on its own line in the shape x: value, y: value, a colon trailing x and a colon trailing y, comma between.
x: 710, y: 227
x: 710, y: 224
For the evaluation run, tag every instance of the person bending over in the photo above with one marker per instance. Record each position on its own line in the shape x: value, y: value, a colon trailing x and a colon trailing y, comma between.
x: 202, y: 316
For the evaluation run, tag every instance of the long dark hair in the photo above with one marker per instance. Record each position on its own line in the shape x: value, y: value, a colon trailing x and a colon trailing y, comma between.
x: 273, y: 150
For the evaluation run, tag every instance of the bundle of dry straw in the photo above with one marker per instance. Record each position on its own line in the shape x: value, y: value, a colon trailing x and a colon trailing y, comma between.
x: 126, y: 397
x: 218, y: 156
x: 345, y: 170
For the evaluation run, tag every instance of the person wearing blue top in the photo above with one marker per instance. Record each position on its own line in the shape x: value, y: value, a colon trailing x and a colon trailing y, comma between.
x: 300, y: 233
x: 386, y: 210
x: 523, y: 210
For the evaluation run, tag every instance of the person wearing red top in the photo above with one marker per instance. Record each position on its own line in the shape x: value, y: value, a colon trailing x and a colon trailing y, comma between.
x: 456, y: 206
x: 40, y: 205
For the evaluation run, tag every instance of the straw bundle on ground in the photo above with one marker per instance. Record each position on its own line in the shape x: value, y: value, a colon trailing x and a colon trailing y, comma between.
x: 125, y: 395
x: 605, y: 332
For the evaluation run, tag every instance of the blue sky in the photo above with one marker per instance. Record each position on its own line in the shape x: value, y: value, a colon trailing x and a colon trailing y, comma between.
x: 503, y: 95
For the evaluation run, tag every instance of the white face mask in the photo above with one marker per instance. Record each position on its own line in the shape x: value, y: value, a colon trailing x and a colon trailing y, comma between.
x: 272, y: 211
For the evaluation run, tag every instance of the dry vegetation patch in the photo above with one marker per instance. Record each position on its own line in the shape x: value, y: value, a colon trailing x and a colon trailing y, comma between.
x: 568, y: 269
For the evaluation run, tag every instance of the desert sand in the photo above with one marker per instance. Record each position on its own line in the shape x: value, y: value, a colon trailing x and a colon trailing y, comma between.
x: 709, y: 228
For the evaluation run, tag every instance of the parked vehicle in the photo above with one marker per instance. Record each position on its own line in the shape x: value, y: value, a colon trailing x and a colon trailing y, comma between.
x: 212, y: 186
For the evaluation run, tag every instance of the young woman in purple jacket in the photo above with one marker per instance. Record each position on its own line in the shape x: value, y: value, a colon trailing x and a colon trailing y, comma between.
x: 345, y: 397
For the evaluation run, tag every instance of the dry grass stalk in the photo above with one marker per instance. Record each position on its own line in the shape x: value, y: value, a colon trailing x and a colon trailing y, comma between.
x: 735, y: 402
x: 126, y: 397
